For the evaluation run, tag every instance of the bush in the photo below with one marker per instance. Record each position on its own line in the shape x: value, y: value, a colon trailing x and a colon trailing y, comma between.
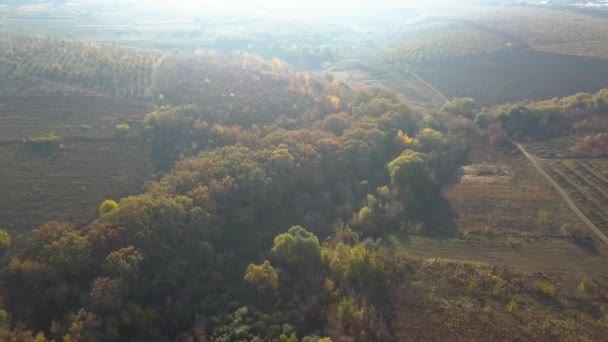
x: 5, y: 240
x: 512, y: 307
x: 121, y: 131
x: 581, y: 287
x: 50, y: 139
x: 107, y: 206
x: 546, y: 289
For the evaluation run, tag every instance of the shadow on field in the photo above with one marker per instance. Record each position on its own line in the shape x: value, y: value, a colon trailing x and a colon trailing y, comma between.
x: 586, y: 245
x: 439, y: 219
x: 515, y: 75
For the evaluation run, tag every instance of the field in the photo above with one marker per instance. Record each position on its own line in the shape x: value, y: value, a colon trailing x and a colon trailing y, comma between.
x: 505, y: 54
x: 110, y: 70
x: 445, y: 39
x: 510, y: 76
x: 507, y: 214
x: 27, y: 116
x: 587, y: 183
x: 551, y: 31
x: 68, y: 183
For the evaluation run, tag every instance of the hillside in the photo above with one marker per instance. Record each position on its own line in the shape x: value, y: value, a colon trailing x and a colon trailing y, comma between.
x: 505, y: 54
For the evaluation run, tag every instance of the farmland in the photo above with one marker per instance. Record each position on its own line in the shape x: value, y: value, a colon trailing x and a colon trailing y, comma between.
x: 34, y: 188
x: 114, y: 71
x: 511, y: 216
x: 587, y: 183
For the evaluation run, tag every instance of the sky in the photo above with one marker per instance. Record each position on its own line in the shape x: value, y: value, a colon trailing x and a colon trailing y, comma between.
x: 290, y: 8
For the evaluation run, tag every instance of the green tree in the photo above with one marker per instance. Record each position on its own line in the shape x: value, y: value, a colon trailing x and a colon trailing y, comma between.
x: 407, y: 168
x: 461, y: 106
x: 263, y: 277
x: 298, y: 248
x: 430, y: 139
x: 123, y: 263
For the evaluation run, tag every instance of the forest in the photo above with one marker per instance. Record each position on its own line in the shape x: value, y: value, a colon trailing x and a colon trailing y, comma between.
x: 237, y: 199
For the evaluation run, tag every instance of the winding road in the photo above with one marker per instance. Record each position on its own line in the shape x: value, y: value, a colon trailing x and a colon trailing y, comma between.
x: 562, y: 192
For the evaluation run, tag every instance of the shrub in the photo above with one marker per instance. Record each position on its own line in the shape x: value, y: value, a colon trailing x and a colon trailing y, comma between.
x: 581, y: 287
x: 107, y: 206
x: 546, y: 289
x: 50, y: 139
x: 544, y: 218
x: 512, y: 307
x: 5, y: 240
x: 121, y: 131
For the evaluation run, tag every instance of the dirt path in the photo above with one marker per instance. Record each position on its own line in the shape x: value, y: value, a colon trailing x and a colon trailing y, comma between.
x: 563, y: 193
x: 430, y: 86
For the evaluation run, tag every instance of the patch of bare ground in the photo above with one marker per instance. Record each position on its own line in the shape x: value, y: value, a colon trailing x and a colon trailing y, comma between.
x: 485, y: 174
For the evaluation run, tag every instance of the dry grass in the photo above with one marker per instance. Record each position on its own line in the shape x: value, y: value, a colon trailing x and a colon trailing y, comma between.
x: 485, y: 174
x: 462, y: 301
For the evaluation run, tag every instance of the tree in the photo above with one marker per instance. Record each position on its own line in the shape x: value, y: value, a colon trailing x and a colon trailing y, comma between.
x: 123, y: 263
x: 336, y: 123
x: 264, y: 277
x: 365, y: 218
x: 407, y: 168
x: 430, y: 139
x: 107, y: 206
x: 461, y: 106
x: 106, y: 295
x: 298, y: 248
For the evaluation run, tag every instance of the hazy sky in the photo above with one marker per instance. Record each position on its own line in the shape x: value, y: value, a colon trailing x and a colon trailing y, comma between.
x: 285, y: 8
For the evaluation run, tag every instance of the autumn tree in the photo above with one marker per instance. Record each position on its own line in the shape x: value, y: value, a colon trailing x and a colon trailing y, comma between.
x: 263, y: 277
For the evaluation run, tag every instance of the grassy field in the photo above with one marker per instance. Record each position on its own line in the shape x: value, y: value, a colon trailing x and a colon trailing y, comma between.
x: 463, y: 301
